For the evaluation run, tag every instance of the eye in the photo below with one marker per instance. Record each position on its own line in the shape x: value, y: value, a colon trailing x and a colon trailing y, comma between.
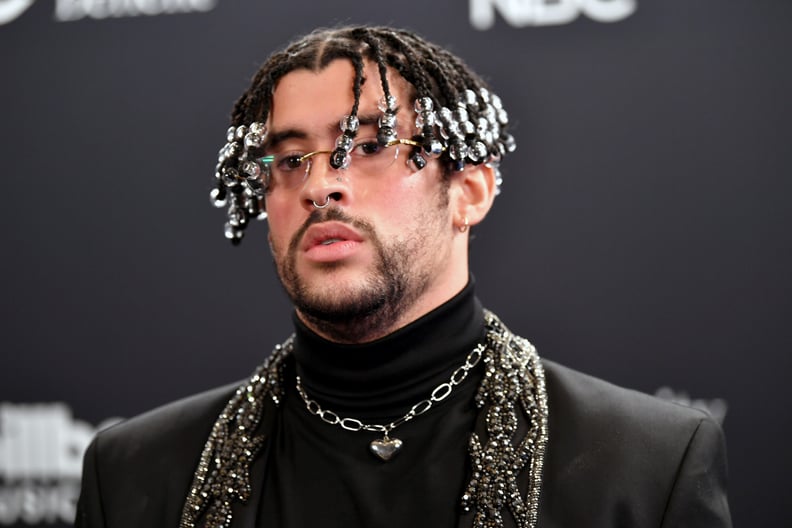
x: 367, y: 148
x: 290, y: 162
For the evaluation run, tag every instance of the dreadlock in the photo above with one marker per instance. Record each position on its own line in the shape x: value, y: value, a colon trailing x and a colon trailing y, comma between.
x: 458, y: 119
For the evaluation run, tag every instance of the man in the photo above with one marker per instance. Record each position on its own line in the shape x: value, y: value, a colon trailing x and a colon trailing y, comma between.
x: 399, y: 400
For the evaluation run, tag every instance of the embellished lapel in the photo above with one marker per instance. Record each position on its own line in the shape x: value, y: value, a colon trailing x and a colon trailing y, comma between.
x: 507, y: 459
x: 223, y: 477
x: 245, y: 515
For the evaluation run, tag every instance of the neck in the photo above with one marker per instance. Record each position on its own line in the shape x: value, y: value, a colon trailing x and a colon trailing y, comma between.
x: 384, y: 375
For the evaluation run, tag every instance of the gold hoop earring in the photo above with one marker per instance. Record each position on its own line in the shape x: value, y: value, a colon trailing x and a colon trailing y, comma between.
x: 464, y: 227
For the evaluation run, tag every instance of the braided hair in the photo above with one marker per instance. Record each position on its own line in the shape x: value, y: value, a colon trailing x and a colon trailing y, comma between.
x: 458, y: 119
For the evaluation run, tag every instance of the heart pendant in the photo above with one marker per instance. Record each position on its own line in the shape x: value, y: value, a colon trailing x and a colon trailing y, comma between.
x: 385, y: 448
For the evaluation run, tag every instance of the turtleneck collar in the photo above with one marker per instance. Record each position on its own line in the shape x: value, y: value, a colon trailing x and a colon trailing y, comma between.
x: 380, y: 378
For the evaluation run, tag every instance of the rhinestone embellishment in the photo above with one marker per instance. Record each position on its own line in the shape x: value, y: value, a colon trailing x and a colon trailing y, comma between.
x: 513, y: 387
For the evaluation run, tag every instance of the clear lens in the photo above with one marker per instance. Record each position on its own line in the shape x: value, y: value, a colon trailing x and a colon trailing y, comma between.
x: 290, y: 169
x: 369, y: 155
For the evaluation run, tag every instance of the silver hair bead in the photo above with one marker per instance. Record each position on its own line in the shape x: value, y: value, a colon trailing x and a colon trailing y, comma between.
x: 467, y: 128
x: 253, y: 140
x: 385, y: 135
x: 387, y: 104
x: 485, y: 95
x: 233, y: 233
x: 470, y: 99
x: 241, y: 131
x: 425, y: 119
x: 482, y: 125
x: 252, y: 169
x: 423, y: 104
x: 490, y: 114
x: 435, y: 148
x: 503, y: 117
x: 230, y: 177
x: 479, y: 151
x: 509, y: 143
x: 230, y: 134
x: 339, y: 159
x: 218, y: 197
x: 496, y: 101
x: 344, y: 142
x: 460, y: 114
x: 349, y: 123
x: 230, y: 150
x: 457, y: 150
x: 416, y: 161
x: 387, y: 119
x: 258, y: 128
x: 236, y: 216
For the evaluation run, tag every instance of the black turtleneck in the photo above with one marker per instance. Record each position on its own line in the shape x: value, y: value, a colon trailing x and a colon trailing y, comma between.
x: 322, y: 475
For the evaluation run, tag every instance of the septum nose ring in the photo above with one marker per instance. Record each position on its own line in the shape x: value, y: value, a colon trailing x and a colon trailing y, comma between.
x: 327, y: 202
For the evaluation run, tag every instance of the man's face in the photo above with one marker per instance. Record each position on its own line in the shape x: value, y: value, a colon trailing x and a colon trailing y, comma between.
x: 380, y: 255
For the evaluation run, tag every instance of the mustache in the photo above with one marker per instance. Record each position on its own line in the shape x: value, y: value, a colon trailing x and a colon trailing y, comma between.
x: 326, y: 215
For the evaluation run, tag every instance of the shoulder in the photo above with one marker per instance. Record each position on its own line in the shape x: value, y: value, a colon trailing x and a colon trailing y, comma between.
x: 588, y: 398
x: 593, y: 417
x: 167, y: 427
x: 137, y: 473
x: 642, y: 460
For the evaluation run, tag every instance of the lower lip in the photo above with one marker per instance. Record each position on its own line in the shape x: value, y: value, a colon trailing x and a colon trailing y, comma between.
x: 332, y: 252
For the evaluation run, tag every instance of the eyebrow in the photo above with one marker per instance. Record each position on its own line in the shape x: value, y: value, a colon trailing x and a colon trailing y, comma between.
x: 277, y: 137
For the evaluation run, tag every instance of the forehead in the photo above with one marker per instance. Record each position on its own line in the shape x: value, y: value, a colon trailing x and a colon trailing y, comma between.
x: 313, y: 101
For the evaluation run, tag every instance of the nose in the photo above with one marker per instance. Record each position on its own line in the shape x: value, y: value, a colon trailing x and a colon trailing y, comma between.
x: 323, y: 182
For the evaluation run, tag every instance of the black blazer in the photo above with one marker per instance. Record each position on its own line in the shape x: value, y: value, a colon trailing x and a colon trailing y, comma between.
x: 615, y: 458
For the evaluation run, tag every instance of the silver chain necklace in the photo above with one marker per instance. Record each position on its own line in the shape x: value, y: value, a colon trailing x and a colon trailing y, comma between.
x: 386, y: 447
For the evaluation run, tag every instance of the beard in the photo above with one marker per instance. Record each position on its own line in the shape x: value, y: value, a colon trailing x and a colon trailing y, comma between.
x: 361, y: 313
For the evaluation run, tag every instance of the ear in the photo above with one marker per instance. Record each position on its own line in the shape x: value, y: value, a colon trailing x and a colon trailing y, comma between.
x: 473, y: 191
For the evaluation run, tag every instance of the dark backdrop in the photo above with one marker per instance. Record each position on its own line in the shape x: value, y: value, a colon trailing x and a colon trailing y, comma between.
x: 642, y: 235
